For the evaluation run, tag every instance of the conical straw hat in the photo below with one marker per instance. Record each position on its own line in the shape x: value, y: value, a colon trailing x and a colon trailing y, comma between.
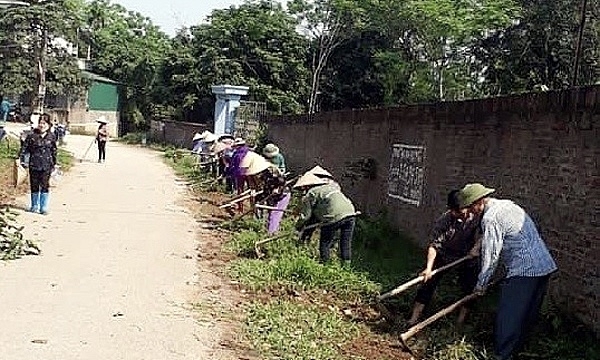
x: 258, y: 165
x: 248, y: 159
x: 218, y: 147
x: 197, y: 136
x: 211, y: 138
x: 319, y: 171
x: 309, y: 179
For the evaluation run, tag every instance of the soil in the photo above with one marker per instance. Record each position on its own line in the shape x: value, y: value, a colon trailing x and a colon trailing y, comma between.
x: 126, y: 270
x: 132, y: 267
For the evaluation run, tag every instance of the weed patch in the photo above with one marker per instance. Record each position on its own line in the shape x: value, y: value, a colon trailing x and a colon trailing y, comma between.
x: 286, y: 330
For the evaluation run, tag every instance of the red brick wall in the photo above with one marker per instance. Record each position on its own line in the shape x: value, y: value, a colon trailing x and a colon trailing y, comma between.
x: 540, y: 150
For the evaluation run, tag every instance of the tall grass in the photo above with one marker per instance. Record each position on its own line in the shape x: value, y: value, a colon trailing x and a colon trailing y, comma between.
x: 290, y: 331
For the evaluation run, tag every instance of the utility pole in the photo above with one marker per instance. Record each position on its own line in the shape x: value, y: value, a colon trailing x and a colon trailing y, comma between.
x: 575, y: 79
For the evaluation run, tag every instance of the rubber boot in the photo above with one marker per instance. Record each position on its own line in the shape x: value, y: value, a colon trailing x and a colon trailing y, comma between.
x: 44, y: 203
x: 35, y: 202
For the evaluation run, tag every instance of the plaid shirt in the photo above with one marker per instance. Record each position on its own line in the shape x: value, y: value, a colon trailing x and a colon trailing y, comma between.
x: 510, y: 234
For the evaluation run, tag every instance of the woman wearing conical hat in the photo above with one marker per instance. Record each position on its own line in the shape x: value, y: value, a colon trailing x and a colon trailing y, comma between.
x: 325, y: 175
x: 324, y: 203
x: 264, y: 177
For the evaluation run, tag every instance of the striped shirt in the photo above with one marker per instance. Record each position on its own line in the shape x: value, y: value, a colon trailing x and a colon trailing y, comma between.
x: 510, y: 234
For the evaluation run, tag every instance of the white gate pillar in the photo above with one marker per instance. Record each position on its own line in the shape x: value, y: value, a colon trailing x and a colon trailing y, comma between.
x: 228, y: 100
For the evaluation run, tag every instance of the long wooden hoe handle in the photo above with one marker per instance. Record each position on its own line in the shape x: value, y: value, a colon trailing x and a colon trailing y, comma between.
x: 407, y: 285
x: 240, y: 199
x: 438, y: 315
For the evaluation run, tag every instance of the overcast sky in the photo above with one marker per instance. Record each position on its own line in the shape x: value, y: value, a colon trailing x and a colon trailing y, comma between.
x: 171, y: 15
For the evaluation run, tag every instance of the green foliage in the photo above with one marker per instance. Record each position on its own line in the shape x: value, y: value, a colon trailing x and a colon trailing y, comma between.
x: 537, y: 52
x: 292, y: 266
x: 286, y: 330
x: 255, y: 44
x: 24, y: 34
x: 459, y: 349
x: 65, y: 159
x: 125, y: 46
x: 12, y: 243
x: 387, y: 255
x: 133, y: 138
x: 300, y: 272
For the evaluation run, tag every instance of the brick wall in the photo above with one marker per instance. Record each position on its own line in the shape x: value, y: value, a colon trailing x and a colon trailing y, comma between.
x: 540, y: 150
x: 175, y: 132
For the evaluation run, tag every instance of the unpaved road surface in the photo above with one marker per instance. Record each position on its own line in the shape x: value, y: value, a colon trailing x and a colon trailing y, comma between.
x: 117, y: 276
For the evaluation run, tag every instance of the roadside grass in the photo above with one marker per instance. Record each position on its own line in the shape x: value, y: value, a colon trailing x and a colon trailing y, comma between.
x: 65, y: 159
x: 289, y: 331
x: 309, y: 296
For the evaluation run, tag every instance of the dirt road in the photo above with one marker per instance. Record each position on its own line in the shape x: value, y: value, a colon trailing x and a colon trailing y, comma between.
x: 117, y: 275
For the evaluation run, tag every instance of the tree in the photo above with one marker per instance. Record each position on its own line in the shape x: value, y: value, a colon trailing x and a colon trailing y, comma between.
x: 254, y: 44
x: 327, y: 24
x: 537, y: 52
x: 36, y: 43
x: 126, y: 47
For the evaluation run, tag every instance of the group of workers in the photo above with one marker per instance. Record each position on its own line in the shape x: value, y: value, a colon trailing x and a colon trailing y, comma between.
x: 483, y: 231
x: 263, y: 178
x: 490, y: 232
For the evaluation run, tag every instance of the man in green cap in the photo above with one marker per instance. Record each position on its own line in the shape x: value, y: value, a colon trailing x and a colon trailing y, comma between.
x: 509, y: 234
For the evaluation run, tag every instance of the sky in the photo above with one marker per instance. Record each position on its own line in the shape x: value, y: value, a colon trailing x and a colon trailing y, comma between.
x: 171, y: 15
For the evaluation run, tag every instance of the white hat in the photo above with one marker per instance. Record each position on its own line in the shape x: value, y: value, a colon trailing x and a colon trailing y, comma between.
x: 102, y: 120
x: 197, y: 136
x: 211, y: 138
x: 319, y: 171
x: 218, y: 147
x: 248, y: 159
x: 226, y: 137
x: 309, y: 179
x: 258, y: 165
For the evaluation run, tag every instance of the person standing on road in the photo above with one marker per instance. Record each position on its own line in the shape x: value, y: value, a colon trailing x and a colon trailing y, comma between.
x: 454, y: 236
x: 38, y: 153
x: 510, y: 236
x: 4, y: 109
x: 102, y: 139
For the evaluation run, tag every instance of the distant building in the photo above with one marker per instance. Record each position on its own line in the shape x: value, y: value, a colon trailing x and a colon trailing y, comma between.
x: 101, y: 99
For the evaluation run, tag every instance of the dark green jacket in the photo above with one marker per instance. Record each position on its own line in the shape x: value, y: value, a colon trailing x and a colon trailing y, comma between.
x: 324, y: 204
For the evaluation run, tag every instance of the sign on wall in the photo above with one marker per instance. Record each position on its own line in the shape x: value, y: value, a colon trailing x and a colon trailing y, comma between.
x: 407, y: 173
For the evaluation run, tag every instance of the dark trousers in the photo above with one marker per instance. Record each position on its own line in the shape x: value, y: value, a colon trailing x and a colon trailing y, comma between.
x: 467, y: 278
x: 39, y: 180
x: 101, y: 150
x: 346, y: 228
x: 520, y: 302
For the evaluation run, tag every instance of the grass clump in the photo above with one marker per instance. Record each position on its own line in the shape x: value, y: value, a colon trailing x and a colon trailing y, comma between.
x: 459, y: 349
x: 292, y: 266
x: 286, y: 330
x: 301, y: 273
x: 133, y: 138
x: 65, y: 159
